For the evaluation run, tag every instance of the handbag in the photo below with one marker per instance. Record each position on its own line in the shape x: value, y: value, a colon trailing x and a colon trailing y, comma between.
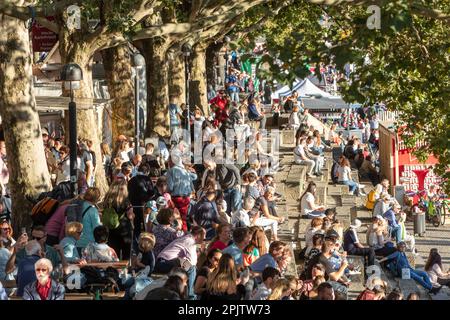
x: 111, y: 219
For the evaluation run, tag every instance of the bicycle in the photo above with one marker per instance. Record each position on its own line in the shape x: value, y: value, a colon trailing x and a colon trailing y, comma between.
x: 442, y: 208
x: 430, y: 207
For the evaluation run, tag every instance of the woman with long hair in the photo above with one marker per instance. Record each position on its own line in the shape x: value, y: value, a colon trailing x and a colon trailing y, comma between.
x: 345, y: 178
x: 106, y: 160
x: 211, y: 264
x: 222, y: 283
x: 257, y: 246
x: 282, y: 289
x: 222, y: 238
x: 308, y: 203
x: 117, y: 199
x: 435, y: 271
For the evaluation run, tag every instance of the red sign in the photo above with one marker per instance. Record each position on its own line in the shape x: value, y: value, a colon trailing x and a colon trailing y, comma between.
x: 43, y: 39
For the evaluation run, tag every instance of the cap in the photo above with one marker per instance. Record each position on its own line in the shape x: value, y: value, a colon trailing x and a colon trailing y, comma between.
x: 44, y: 131
x: 161, y: 201
x: 356, y: 224
x: 332, y: 234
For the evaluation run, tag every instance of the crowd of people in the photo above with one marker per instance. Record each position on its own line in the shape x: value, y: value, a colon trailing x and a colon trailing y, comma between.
x: 207, y: 230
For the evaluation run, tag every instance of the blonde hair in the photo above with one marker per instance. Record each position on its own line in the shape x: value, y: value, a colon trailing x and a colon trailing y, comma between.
x: 146, y: 241
x: 224, y: 277
x: 116, y: 195
x: 72, y: 228
x: 282, y: 285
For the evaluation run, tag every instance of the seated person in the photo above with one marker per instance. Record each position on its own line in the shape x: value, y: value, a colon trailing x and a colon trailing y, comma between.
x: 300, y: 157
x: 206, y: 214
x: 241, y: 218
x: 270, y: 276
x: 68, y: 244
x: 99, y: 251
x: 307, y: 202
x: 368, y: 170
x: 269, y: 259
x: 395, y: 229
x: 44, y: 288
x: 376, y: 237
x: 354, y: 247
x: 267, y: 214
x: 398, y: 261
x: 382, y: 205
x: 241, y: 239
x: 144, y: 256
x: 315, y: 248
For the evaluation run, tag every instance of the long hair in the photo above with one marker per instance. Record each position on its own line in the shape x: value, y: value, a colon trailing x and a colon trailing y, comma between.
x: 282, y: 285
x: 311, y: 188
x: 433, y: 258
x: 258, y: 241
x: 224, y: 277
x: 117, y: 195
x: 218, y: 232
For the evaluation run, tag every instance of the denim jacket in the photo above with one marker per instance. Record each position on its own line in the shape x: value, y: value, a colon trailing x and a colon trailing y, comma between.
x: 179, y: 181
x: 399, y: 261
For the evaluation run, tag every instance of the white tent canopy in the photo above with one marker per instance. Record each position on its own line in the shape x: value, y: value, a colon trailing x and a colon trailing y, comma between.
x: 305, y: 89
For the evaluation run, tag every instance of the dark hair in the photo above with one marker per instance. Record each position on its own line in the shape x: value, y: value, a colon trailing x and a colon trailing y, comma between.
x: 161, y: 180
x: 276, y: 245
x: 309, y: 189
x: 38, y: 228
x: 101, y: 234
x: 330, y: 211
x: 196, y: 230
x: 239, y: 234
x: 164, y: 215
x: 175, y: 283
x: 270, y: 272
x: 323, y: 286
x: 412, y: 294
x: 317, y: 239
x: 144, y: 169
x: 209, y: 256
x: 433, y: 258
x: 395, y: 294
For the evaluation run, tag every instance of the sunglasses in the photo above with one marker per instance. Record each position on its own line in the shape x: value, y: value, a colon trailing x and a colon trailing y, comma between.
x: 41, y: 270
x: 6, y: 229
x: 38, y: 238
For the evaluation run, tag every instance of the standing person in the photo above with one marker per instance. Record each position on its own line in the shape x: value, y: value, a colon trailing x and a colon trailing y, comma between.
x: 435, y: 270
x: 206, y: 214
x: 4, y: 173
x: 276, y: 111
x: 354, y: 247
x: 175, y: 114
x: 180, y: 184
x: 232, y: 86
x: 229, y: 179
x: 116, y: 206
x: 294, y: 120
x: 44, y: 288
x: 140, y: 190
x: 182, y: 252
x: 163, y: 230
x: 91, y: 217
x: 86, y: 168
x: 106, y: 160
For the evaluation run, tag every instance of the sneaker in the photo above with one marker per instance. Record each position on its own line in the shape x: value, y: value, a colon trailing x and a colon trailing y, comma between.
x: 361, y: 186
x: 354, y: 272
x: 435, y: 290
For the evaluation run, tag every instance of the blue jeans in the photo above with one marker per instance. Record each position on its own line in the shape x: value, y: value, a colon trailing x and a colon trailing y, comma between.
x: 396, y: 232
x: 234, y: 96
x: 352, y: 185
x: 233, y: 198
x: 422, y: 278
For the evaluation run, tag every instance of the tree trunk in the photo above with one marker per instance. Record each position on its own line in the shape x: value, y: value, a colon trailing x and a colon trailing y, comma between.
x: 212, y: 56
x: 154, y: 51
x: 197, y: 87
x: 117, y: 62
x: 20, y: 120
x: 177, y: 78
x: 87, y: 125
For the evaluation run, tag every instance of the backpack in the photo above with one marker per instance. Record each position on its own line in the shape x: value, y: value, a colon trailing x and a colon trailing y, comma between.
x: 334, y: 177
x: 73, y: 211
x: 96, y: 275
x: 43, y: 211
x: 370, y: 204
x: 111, y: 219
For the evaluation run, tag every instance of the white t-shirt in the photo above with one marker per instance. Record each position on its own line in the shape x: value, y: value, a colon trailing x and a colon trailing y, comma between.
x: 305, y: 206
x: 299, y: 153
x: 344, y: 174
x: 242, y: 217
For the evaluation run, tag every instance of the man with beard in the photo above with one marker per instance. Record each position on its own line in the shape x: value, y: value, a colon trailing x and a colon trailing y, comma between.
x: 45, y: 288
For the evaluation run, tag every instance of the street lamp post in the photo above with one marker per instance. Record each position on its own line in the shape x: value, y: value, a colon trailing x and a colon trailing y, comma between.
x: 227, y: 41
x: 71, y: 74
x: 187, y: 50
x: 138, y: 62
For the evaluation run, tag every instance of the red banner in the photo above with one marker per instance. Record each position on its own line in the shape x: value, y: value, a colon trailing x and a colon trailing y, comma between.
x: 42, y: 38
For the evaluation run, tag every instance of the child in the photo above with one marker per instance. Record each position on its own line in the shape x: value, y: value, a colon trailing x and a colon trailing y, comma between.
x: 99, y: 251
x: 145, y: 256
